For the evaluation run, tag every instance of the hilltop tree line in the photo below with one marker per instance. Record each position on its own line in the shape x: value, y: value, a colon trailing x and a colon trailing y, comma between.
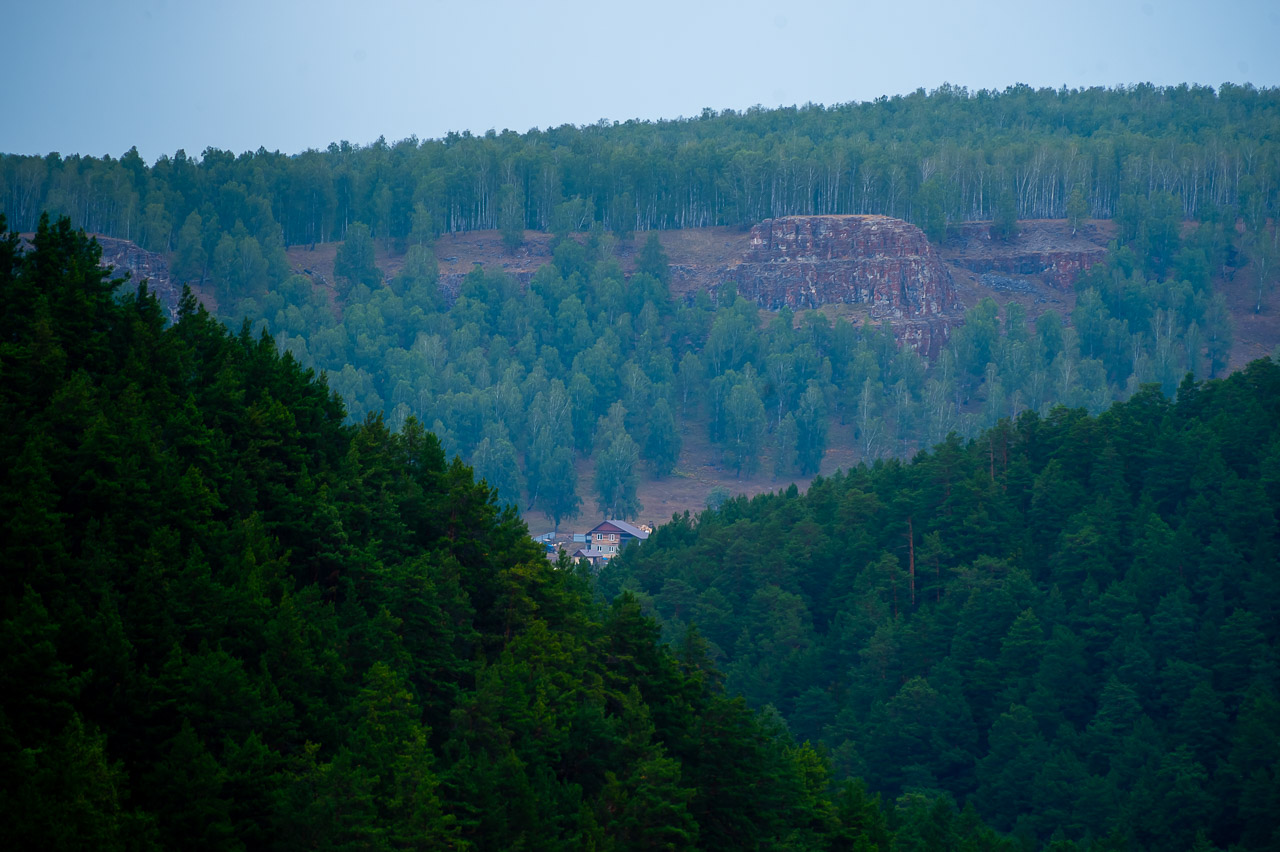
x: 1068, y: 622
x: 944, y: 156
x: 234, y: 621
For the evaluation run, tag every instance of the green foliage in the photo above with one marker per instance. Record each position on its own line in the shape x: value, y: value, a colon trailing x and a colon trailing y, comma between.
x: 583, y: 326
x: 354, y: 262
x: 1064, y: 624
x: 662, y: 444
x: 190, y: 257
x: 233, y: 620
x: 1004, y: 221
x: 1077, y: 209
x: 932, y: 157
x: 931, y: 202
x: 561, y: 483
x: 616, y: 458
x: 511, y: 217
x: 652, y: 260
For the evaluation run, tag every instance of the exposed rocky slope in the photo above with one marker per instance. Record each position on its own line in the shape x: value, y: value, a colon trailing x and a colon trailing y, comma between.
x: 807, y: 261
x: 1047, y: 250
x: 142, y: 265
x: 887, y: 264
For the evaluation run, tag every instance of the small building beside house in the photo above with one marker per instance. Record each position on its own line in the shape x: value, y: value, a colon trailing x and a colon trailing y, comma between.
x: 596, y: 558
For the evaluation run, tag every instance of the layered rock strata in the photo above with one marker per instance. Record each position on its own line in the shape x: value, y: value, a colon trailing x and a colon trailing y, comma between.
x: 142, y: 265
x: 124, y: 256
x: 806, y: 261
x: 1048, y: 251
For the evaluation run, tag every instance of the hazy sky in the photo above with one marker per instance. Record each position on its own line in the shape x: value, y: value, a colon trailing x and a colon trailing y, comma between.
x: 98, y: 77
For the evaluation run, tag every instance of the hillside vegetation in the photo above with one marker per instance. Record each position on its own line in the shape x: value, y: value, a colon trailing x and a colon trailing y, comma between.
x: 589, y: 362
x: 243, y: 611
x: 232, y: 621
x: 949, y: 155
x: 1069, y: 622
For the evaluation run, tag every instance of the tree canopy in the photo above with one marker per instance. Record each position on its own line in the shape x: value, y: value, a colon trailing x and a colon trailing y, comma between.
x: 234, y: 621
x: 1067, y: 622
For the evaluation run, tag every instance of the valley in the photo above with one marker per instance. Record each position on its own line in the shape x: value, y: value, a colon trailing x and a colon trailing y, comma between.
x: 1035, y: 269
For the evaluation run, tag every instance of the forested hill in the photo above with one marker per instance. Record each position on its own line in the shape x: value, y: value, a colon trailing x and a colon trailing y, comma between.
x: 948, y: 155
x: 232, y: 622
x: 1070, y: 622
x: 563, y: 390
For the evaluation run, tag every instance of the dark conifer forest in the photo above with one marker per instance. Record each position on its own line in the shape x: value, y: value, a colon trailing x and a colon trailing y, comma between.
x: 266, y: 585
x: 1069, y: 622
x: 231, y: 621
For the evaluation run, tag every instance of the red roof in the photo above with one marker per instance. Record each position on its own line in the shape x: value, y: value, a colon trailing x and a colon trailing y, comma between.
x: 617, y: 526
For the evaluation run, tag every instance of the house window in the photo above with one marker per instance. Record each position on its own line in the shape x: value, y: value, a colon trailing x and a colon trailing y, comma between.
x: 613, y: 536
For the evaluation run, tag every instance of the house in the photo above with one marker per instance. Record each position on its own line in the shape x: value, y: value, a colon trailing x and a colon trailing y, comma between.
x: 611, y: 536
x: 595, y: 557
x: 556, y: 542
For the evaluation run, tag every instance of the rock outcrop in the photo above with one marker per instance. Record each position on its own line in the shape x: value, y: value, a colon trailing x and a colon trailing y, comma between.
x: 806, y: 261
x: 142, y: 265
x: 1047, y: 250
x: 124, y: 256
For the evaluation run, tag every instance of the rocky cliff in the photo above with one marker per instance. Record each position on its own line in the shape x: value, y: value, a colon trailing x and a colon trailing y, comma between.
x: 1048, y: 250
x: 806, y: 261
x: 124, y: 256
x: 141, y: 265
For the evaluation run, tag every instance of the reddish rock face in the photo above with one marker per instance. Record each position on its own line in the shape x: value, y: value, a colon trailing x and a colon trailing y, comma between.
x: 1044, y: 249
x: 806, y: 261
x: 1059, y: 269
x: 142, y: 265
x: 928, y: 337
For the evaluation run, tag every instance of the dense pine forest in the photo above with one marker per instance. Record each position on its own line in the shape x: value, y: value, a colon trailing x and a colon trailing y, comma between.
x: 267, y: 585
x: 1069, y: 623
x: 232, y: 621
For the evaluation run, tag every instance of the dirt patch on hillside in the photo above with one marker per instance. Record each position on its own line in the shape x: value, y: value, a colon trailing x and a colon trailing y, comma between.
x: 317, y: 260
x: 1257, y: 335
x: 1030, y: 291
x: 973, y: 239
x: 458, y: 254
x: 699, y: 471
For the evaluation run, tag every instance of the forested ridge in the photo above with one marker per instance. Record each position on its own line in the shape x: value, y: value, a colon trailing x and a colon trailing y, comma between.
x: 1068, y: 622
x: 587, y: 361
x: 951, y: 152
x: 243, y: 611
x: 231, y: 620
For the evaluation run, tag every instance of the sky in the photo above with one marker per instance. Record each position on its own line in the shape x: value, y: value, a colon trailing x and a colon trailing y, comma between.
x: 96, y: 78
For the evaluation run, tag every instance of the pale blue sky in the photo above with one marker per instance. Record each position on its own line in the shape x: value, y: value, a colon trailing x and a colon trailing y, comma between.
x: 98, y: 77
